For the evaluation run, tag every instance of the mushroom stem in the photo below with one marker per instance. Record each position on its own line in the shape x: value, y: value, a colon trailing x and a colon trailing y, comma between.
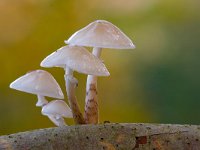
x: 71, y: 84
x: 91, y: 115
x: 97, y: 51
x: 41, y: 101
x: 57, y: 121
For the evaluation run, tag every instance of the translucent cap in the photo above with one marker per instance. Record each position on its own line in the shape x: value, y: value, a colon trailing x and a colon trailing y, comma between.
x: 76, y: 58
x: 102, y: 34
x: 38, y: 82
x: 57, y: 108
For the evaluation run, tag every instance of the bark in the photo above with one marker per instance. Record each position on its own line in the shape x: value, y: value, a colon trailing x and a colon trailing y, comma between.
x: 106, y: 136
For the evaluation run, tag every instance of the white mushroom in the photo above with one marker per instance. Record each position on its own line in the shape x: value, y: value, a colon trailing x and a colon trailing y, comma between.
x: 56, y: 110
x: 38, y: 82
x: 98, y: 34
x: 75, y: 58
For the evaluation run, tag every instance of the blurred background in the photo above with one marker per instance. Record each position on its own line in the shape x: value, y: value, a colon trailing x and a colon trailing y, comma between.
x: 158, y: 82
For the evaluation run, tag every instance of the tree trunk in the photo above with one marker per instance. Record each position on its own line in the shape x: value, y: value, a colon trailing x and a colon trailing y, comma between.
x: 109, y: 136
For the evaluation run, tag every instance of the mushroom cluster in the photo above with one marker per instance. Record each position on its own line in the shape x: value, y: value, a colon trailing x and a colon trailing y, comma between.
x: 74, y: 57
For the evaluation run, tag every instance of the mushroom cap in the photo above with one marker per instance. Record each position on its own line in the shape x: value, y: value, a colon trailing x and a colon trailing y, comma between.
x: 38, y: 82
x: 76, y: 58
x: 102, y: 34
x: 57, y: 108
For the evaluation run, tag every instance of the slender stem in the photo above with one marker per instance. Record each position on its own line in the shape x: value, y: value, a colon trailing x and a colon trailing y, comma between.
x: 71, y: 84
x: 91, y: 102
x: 97, y: 51
x: 41, y: 101
x: 57, y: 121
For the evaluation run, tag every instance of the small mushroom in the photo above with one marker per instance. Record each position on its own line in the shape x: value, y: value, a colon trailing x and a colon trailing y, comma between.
x: 38, y: 82
x: 75, y: 58
x: 56, y: 110
x: 98, y: 34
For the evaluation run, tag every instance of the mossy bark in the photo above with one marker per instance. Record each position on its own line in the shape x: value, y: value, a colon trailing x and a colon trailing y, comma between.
x: 106, y: 136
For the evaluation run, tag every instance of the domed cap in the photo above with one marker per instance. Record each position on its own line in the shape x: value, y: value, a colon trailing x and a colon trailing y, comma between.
x: 76, y: 58
x: 38, y: 82
x: 57, y: 108
x: 102, y: 34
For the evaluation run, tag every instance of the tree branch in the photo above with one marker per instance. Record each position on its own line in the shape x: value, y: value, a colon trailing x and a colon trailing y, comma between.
x: 106, y: 136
